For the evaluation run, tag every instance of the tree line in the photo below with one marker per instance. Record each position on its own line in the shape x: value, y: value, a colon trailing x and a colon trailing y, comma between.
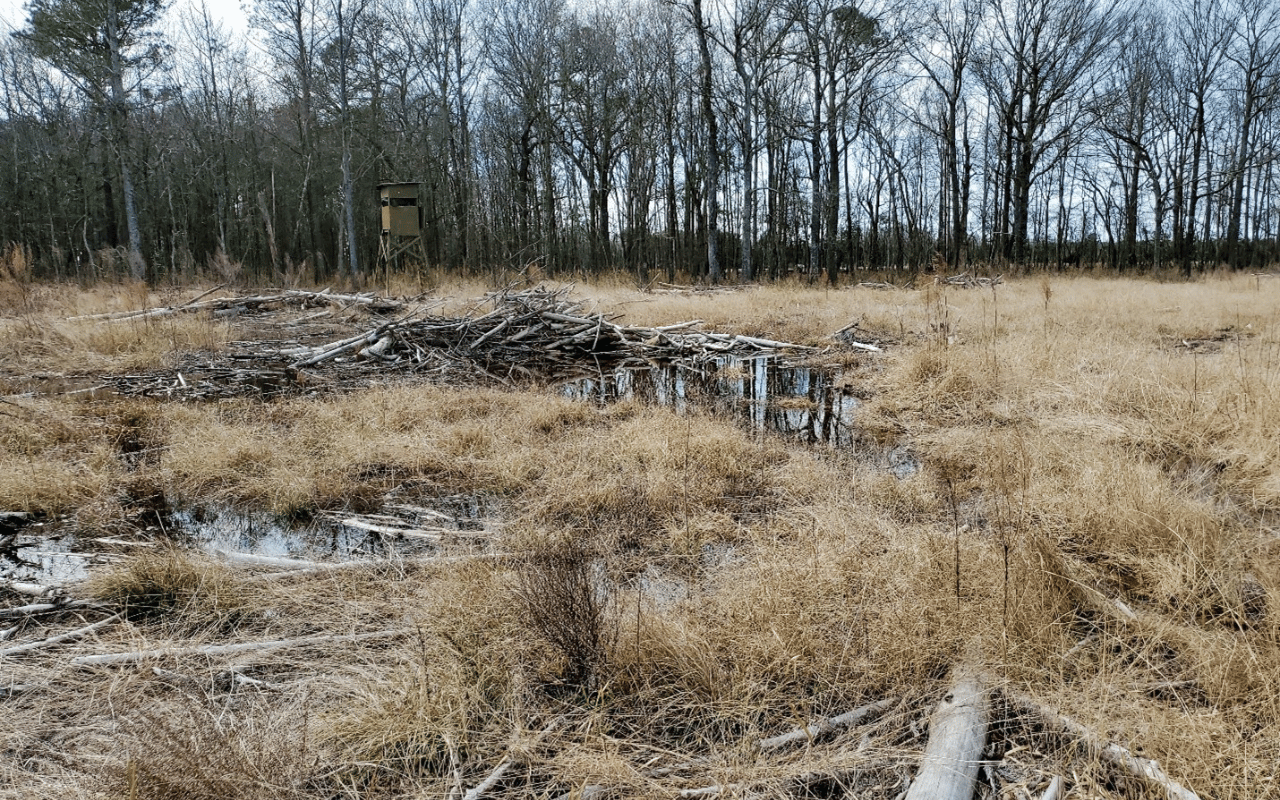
x: 717, y: 139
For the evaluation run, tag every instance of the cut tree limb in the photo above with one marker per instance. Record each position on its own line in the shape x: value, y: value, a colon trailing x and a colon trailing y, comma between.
x: 957, y: 734
x: 1055, y: 788
x: 41, y: 608
x: 491, y: 779
x: 108, y: 659
x: 820, y: 727
x: 30, y: 589
x: 62, y: 637
x: 272, y: 561
x: 1144, y: 769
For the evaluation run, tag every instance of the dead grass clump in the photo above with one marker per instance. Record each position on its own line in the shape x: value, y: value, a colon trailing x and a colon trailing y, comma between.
x: 54, y: 456
x: 185, y: 751
x: 174, y: 586
x: 420, y: 716
x: 653, y: 472
x: 16, y: 291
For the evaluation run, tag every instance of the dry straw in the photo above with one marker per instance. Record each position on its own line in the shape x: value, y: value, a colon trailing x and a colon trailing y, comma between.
x: 1092, y: 517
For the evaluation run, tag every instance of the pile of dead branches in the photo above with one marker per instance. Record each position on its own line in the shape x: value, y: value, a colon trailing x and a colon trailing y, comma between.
x: 235, y: 306
x: 967, y: 281
x: 534, y: 334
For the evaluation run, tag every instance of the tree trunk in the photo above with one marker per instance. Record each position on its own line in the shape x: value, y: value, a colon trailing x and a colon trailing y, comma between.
x: 120, y: 143
x: 712, y: 177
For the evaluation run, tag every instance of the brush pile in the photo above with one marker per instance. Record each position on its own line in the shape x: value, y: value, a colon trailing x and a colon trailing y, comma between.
x: 966, y: 281
x: 223, y: 307
x: 535, y: 334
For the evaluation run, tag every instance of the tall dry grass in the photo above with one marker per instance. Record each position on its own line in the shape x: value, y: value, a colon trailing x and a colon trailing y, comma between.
x: 1095, y: 515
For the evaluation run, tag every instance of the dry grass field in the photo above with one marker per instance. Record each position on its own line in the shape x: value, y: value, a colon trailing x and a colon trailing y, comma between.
x: 1095, y: 523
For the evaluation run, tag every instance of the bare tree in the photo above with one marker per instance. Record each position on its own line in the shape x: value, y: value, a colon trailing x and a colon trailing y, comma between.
x: 711, y: 179
x: 756, y: 33
x: 954, y: 28
x: 1035, y: 65
x: 1255, y: 89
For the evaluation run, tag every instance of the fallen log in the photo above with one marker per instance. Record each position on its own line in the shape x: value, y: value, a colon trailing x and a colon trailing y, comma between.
x: 820, y: 727
x: 111, y: 659
x: 429, y: 561
x: 41, y: 608
x: 62, y: 637
x: 1144, y: 769
x: 1054, y: 789
x: 957, y: 735
x: 271, y: 561
x: 31, y: 589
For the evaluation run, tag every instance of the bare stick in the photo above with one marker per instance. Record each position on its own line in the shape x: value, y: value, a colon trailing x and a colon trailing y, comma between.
x: 271, y: 561
x: 820, y: 727
x: 40, y: 608
x: 107, y: 659
x: 1055, y: 788
x: 957, y: 734
x: 30, y: 589
x: 507, y: 763
x: 62, y: 637
x: 706, y: 791
x: 491, y: 780
x: 1144, y: 769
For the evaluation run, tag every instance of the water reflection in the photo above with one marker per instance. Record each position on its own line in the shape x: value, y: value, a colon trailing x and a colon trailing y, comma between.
x: 412, y: 525
x: 802, y: 402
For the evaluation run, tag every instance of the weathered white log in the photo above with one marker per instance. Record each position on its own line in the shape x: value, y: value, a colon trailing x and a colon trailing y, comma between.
x: 40, y: 608
x: 30, y: 589
x: 429, y: 512
x: 379, y: 348
x: 30, y: 608
x: 1055, y: 788
x: 755, y: 341
x: 1144, y: 769
x: 333, y: 352
x: 232, y: 675
x: 957, y: 734
x: 62, y: 637
x: 390, y: 530
x: 679, y: 326
x: 820, y: 727
x: 108, y: 659
x: 121, y: 542
x: 494, y: 331
x: 870, y: 348
x: 567, y: 318
x: 491, y: 779
x: 272, y: 561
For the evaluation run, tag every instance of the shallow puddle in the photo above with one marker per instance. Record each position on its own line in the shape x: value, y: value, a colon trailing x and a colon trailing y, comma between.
x: 55, y: 554
x: 805, y: 403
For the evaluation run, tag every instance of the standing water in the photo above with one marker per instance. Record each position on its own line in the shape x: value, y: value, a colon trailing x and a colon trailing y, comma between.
x: 804, y: 403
